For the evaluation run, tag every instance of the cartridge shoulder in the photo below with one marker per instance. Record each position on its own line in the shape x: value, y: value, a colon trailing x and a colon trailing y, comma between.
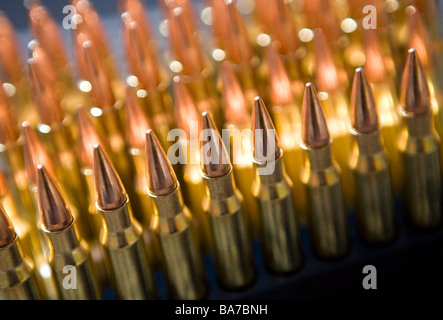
x: 75, y: 256
x: 369, y: 163
x: 175, y: 225
x: 324, y: 178
x: 122, y: 238
x: 273, y: 191
x: 418, y: 145
x: 17, y: 274
x: 225, y: 206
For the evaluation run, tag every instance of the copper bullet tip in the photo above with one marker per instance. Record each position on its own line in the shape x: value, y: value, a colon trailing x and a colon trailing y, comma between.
x: 280, y: 85
x: 52, y: 204
x: 87, y: 138
x: 185, y: 108
x: 363, y: 112
x: 34, y: 154
x: 7, y: 232
x: 326, y: 74
x: 415, y: 97
x: 214, y: 156
x: 4, y: 189
x: 314, y: 130
x: 161, y: 176
x: 265, y: 144
x: 136, y: 120
x: 97, y: 75
x: 233, y: 99
x: 42, y: 84
x: 111, y: 193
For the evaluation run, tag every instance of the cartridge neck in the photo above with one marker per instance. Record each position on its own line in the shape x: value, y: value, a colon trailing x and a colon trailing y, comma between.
x: 118, y: 219
x: 275, y: 168
x: 168, y: 206
x: 11, y: 256
x: 65, y: 240
x: 367, y: 143
x: 319, y: 158
x: 220, y: 188
x: 417, y: 125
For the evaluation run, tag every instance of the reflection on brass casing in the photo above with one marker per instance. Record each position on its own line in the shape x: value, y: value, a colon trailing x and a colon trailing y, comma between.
x: 223, y: 205
x: 17, y: 275
x: 280, y: 234
x: 175, y: 235
x: 122, y: 240
x: 328, y: 224
x: 418, y: 145
x: 374, y: 197
x: 66, y: 249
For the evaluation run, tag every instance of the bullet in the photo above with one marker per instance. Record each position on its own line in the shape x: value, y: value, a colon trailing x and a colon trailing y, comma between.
x: 45, y: 29
x: 188, y: 120
x: 137, y: 125
x: 111, y: 113
x: 328, y: 224
x: 379, y: 69
x: 280, y: 19
x: 58, y: 136
x: 195, y: 72
x: 18, y: 281
x: 12, y: 158
x: 332, y: 86
x: 152, y: 85
x: 224, y: 207
x: 232, y: 36
x: 285, y: 111
x: 418, y: 145
x: 121, y: 235
x: 431, y: 62
x: 10, y: 54
x: 87, y: 138
x: 92, y: 25
x: 36, y: 154
x: 370, y: 167
x: 272, y: 189
x: 237, y: 121
x: 68, y: 253
x: 173, y: 227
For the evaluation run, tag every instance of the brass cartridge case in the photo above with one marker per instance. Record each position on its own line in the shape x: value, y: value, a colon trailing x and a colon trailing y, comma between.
x: 223, y: 205
x: 66, y: 249
x: 418, y: 145
x: 17, y: 275
x: 327, y: 217
x: 125, y: 252
x: 280, y: 234
x: 374, y: 197
x: 177, y: 241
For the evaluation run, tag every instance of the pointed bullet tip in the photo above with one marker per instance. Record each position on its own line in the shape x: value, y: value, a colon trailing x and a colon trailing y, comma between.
x: 161, y: 176
x: 111, y: 193
x: 415, y: 96
x: 52, y: 204
x: 214, y: 157
x: 265, y: 143
x: 363, y: 112
x: 315, y: 132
